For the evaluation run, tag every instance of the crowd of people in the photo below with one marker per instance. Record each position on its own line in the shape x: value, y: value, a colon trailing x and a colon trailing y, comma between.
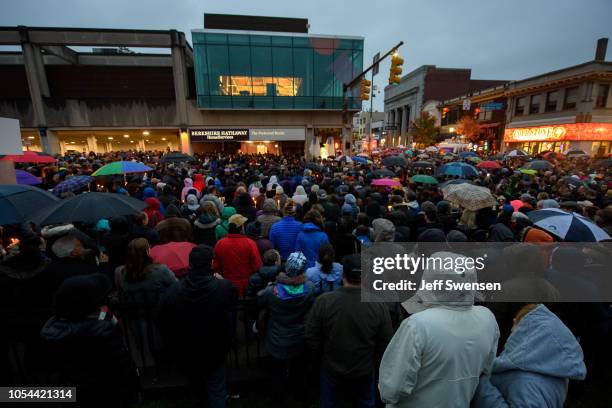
x: 287, y: 235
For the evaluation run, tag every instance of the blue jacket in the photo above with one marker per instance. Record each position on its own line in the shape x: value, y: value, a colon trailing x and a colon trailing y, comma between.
x: 309, y: 241
x: 325, y: 282
x: 539, y: 357
x: 283, y: 235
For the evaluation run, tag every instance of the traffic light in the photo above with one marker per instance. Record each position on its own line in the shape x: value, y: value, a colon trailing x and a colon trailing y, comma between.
x: 444, y: 112
x: 365, y: 89
x: 476, y: 113
x: 396, y: 69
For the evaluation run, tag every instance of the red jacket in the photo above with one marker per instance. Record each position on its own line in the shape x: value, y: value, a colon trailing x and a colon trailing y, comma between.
x: 236, y: 258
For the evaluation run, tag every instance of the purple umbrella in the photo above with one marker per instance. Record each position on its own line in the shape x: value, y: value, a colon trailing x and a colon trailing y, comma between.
x: 26, y: 178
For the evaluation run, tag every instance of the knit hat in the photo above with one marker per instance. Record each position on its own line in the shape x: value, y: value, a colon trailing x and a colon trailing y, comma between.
x: 253, y: 229
x: 269, y: 206
x: 81, y: 295
x: 295, y: 265
x: 508, y: 209
x: 350, y: 199
x: 279, y: 190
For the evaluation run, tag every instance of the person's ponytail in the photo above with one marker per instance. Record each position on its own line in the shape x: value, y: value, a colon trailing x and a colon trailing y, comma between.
x: 326, y: 257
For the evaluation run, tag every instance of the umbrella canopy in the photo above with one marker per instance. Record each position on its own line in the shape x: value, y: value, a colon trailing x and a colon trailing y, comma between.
x: 488, y: 164
x: 574, y: 181
x: 19, y: 202
x: 89, y: 208
x: 568, y: 226
x: 391, y: 161
x: 422, y: 165
x: 474, y: 159
x: 423, y: 156
x: 496, y: 157
x: 26, y: 178
x: 530, y: 172
x: 552, y: 156
x: 30, y: 157
x: 575, y: 152
x: 409, y: 152
x: 469, y: 196
x: 455, y: 181
x: 313, y: 166
x: 344, y: 159
x: 72, y: 184
x: 463, y: 155
x: 516, y: 153
x: 380, y: 173
x: 457, y: 169
x: 424, y: 179
x: 539, y: 165
x: 176, y: 157
x: 606, y: 163
x: 175, y: 255
x: 360, y: 160
x: 121, y: 167
x: 363, y: 154
x: 386, y: 182
x: 431, y: 149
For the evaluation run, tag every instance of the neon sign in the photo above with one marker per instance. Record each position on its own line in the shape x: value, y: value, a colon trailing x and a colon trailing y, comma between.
x: 574, y: 131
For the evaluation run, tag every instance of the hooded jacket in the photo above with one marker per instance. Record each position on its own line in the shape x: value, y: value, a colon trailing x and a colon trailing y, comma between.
x: 152, y: 211
x: 188, y: 186
x: 300, y: 196
x: 198, y: 182
x: 191, y: 311
x: 325, y: 282
x: 309, y: 241
x: 437, y: 355
x: 222, y: 229
x: 533, y: 370
x: 204, y: 229
x: 236, y: 258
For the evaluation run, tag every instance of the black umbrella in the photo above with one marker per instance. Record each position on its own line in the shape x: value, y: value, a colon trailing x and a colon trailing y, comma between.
x: 572, y: 181
x: 422, y: 165
x: 19, y: 202
x: 313, y: 166
x: 176, y: 157
x: 539, y: 165
x: 89, y: 208
x: 391, y: 161
x: 382, y: 173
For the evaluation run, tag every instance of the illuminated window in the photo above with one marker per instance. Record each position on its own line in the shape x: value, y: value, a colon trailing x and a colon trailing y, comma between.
x: 258, y: 86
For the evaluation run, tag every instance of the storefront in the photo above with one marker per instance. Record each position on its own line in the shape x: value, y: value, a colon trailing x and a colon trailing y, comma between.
x: 594, y: 138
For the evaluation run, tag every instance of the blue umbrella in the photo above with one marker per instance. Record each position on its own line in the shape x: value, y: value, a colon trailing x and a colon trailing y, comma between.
x: 72, y: 184
x: 463, y: 155
x: 26, y: 178
x: 18, y: 203
x: 459, y: 169
x: 568, y: 226
x: 359, y: 159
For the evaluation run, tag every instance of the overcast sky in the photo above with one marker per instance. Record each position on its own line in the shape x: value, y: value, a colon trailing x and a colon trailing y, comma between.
x: 497, y: 39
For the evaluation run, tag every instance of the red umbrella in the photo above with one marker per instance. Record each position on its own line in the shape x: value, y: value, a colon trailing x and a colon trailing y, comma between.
x: 30, y: 157
x: 488, y: 164
x: 385, y: 182
x: 553, y: 156
x: 175, y: 255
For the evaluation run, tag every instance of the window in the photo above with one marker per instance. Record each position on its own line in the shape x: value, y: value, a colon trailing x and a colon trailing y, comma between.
x: 571, y: 97
x: 551, y: 101
x: 534, y: 105
x: 602, y: 95
x: 520, y: 106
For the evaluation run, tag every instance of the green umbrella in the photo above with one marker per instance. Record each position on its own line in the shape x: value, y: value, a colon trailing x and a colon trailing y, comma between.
x: 408, y: 152
x: 121, y: 167
x: 474, y: 159
x: 424, y: 179
x: 528, y: 171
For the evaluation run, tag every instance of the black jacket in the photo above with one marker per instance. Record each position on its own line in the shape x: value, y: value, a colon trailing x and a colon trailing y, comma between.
x: 260, y: 279
x: 91, y: 355
x: 349, y: 334
x: 196, y: 319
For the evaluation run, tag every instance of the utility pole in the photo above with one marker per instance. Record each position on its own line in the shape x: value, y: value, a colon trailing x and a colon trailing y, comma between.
x: 347, y: 87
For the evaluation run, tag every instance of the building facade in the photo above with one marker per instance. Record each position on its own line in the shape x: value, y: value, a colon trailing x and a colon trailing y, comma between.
x: 423, y: 90
x: 235, y: 90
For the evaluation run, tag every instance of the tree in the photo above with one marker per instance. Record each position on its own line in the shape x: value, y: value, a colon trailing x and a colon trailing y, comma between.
x: 424, y: 130
x: 469, y: 128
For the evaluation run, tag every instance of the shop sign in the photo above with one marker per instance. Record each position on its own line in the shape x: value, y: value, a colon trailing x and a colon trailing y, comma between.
x: 218, y: 135
x: 467, y: 104
x: 492, y: 106
x: 574, y: 131
x: 277, y: 134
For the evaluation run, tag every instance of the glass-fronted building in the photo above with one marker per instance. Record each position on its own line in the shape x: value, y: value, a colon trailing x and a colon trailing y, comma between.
x: 274, y: 70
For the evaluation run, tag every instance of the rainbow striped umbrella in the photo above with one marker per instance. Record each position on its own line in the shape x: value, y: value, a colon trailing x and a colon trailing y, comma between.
x: 121, y: 167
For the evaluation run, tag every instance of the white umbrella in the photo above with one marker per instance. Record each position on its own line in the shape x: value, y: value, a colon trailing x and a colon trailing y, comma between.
x: 431, y: 149
x: 516, y: 153
x: 568, y: 226
x: 469, y: 196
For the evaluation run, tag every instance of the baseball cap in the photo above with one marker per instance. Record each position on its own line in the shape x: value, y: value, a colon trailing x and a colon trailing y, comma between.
x: 238, y: 220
